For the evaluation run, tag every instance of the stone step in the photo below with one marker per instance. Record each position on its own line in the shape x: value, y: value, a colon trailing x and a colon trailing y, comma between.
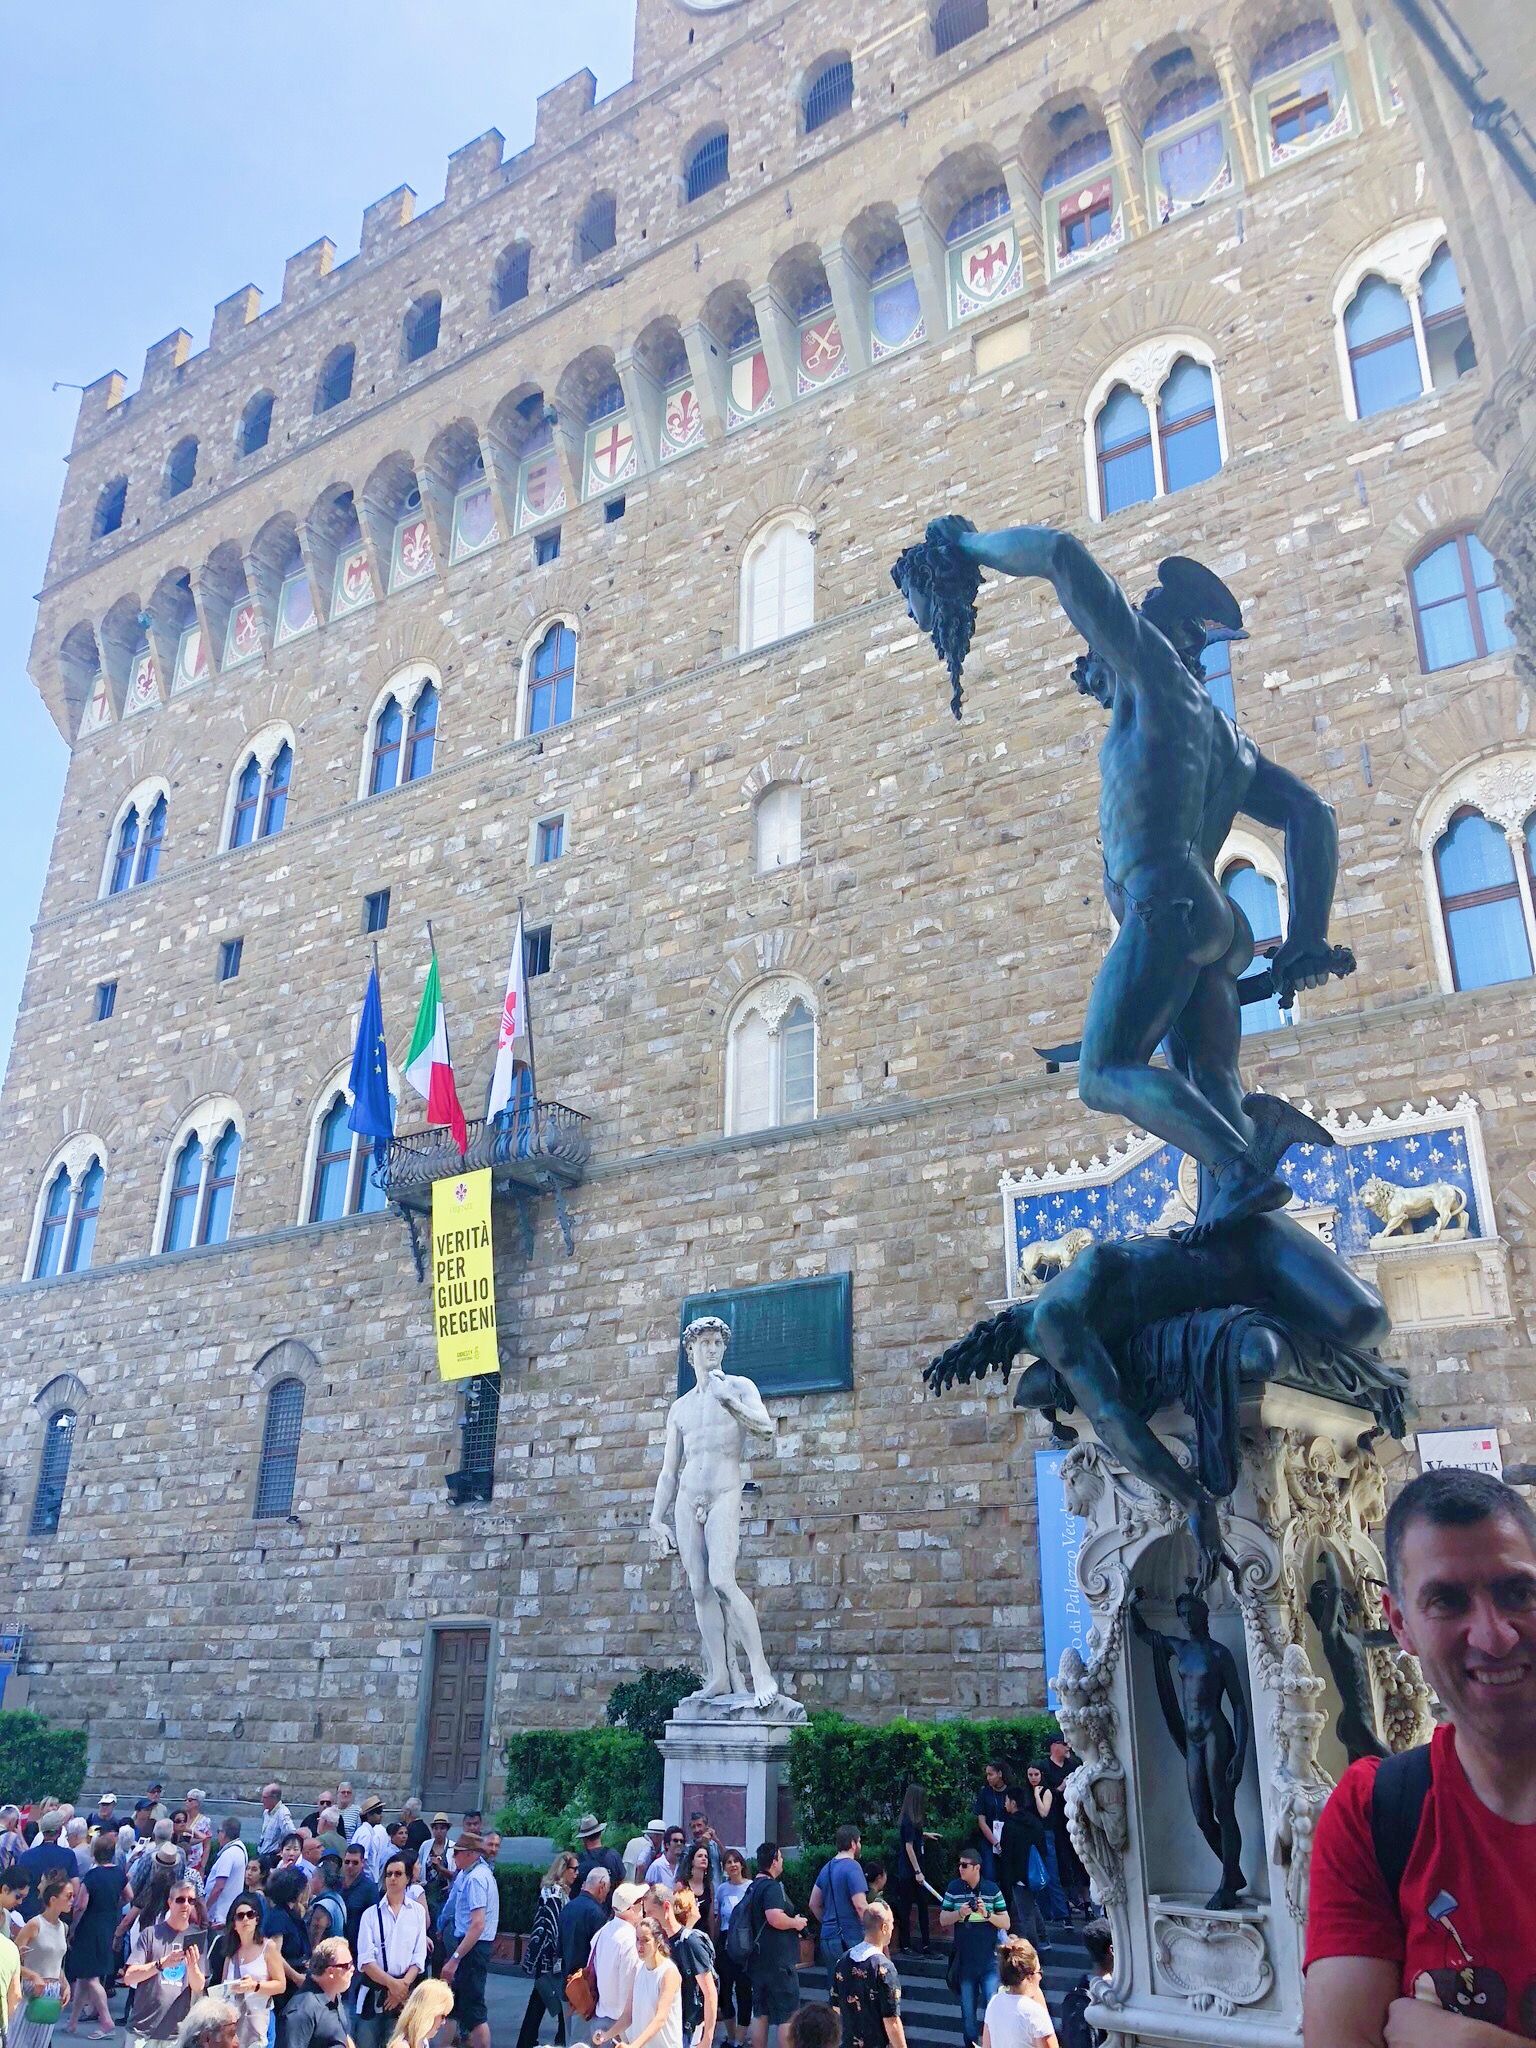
x: 931, y: 2011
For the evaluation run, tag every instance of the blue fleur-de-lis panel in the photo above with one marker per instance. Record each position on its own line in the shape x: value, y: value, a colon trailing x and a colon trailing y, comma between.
x: 1142, y: 1189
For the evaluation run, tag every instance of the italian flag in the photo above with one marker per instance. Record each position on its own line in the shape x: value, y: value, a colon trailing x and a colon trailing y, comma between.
x: 429, y: 1064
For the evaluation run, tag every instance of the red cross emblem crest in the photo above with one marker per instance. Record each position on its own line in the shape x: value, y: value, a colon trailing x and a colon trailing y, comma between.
x: 611, y: 451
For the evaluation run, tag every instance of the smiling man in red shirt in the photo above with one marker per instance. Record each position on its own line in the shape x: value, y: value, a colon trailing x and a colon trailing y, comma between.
x: 1447, y: 1958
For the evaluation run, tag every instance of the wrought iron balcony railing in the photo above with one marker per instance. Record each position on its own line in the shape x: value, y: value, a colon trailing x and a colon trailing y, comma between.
x: 538, y: 1145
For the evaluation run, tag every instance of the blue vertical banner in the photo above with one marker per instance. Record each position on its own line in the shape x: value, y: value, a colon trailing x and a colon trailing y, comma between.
x: 1062, y: 1605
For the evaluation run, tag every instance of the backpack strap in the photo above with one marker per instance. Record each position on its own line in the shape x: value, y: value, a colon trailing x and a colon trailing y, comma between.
x: 1397, y: 1806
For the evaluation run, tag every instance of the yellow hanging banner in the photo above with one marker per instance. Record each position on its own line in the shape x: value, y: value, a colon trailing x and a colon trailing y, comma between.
x: 463, y: 1276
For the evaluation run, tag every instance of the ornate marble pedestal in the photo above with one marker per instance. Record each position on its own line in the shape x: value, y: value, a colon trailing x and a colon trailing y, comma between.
x: 726, y: 1758
x: 1183, y: 1972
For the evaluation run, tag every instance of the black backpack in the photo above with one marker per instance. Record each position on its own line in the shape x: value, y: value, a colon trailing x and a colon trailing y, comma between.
x: 1397, y: 1806
x: 1072, y: 2028
x: 741, y: 1931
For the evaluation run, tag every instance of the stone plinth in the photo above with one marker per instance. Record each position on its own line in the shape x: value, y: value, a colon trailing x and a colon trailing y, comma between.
x: 1311, y: 1480
x: 726, y: 1758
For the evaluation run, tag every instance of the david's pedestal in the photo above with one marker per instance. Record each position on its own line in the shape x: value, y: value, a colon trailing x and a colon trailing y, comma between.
x: 1184, y: 1972
x: 726, y: 1758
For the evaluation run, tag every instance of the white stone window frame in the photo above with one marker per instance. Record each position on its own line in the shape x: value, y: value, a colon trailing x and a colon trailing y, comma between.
x: 795, y: 519
x: 1399, y: 258
x: 531, y: 646
x: 76, y: 1155
x: 772, y: 998
x: 1261, y: 856
x: 1145, y: 369
x: 207, y: 1121
x: 265, y: 744
x: 406, y: 684
x: 65, y: 1390
x: 146, y: 794
x: 562, y: 818
x: 1502, y: 788
x: 780, y: 789
x: 335, y: 1085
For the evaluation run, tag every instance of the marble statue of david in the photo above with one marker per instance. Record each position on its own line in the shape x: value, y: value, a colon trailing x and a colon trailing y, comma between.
x: 701, y: 1485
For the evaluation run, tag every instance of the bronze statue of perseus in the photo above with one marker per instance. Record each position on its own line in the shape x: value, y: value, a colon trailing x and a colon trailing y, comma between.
x: 1175, y: 772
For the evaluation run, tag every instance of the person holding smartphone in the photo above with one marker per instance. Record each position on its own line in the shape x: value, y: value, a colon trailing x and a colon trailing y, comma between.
x: 165, y: 1969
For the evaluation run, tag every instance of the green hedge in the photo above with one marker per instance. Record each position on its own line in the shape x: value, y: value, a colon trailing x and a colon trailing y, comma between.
x: 555, y: 1775
x: 842, y: 1771
x: 37, y: 1761
x: 518, y: 1884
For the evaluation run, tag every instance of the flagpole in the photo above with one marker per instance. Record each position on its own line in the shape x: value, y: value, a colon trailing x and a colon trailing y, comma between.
x: 533, y: 1078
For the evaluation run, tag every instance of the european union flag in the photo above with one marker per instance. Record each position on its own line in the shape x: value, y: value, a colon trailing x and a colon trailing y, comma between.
x: 372, y: 1113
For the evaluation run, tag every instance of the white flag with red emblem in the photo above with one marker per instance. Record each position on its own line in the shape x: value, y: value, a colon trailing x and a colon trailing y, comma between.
x: 513, y: 1046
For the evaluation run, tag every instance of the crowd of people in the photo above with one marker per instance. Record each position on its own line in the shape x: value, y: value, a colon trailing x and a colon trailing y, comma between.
x: 685, y: 1942
x: 338, y: 1932
x: 344, y: 1931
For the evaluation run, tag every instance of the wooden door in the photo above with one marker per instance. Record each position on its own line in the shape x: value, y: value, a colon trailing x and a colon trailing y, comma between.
x: 456, y: 1718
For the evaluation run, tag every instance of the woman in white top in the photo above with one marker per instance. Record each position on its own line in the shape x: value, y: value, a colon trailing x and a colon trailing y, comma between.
x: 251, y: 1971
x: 655, y: 2009
x: 1017, y: 2014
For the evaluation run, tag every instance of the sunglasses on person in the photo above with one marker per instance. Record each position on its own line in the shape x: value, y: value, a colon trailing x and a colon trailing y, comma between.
x: 243, y: 1913
x: 182, y: 1899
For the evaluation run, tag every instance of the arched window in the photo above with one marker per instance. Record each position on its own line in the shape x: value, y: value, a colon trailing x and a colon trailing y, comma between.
x: 776, y: 827
x: 1383, y: 354
x: 136, y: 852
x: 242, y: 827
x: 1258, y: 897
x: 551, y: 680
x: 771, y: 1061
x: 110, y: 506
x: 1301, y: 96
x: 1447, y: 334
x: 1485, y: 928
x: 422, y: 324
x: 80, y: 1248
x: 828, y: 92
x: 52, y: 1472
x: 202, y: 1190
x: 256, y: 423
x: 956, y: 21
x: 335, y: 385
x: 186, y: 1183
x: 55, y: 1228
x: 152, y: 841
x: 1186, y: 419
x: 274, y: 810
x: 387, y: 730
x: 181, y: 466
x: 476, y: 1476
x: 422, y: 738
x: 1123, y: 435
x: 1459, y: 611
x: 708, y: 166
x: 778, y: 584
x: 597, y: 230
x: 1083, y: 216
x: 261, y: 795
x: 278, y: 1471
x: 1401, y: 320
x: 510, y: 281
x: 343, y: 1183
x: 1157, y: 427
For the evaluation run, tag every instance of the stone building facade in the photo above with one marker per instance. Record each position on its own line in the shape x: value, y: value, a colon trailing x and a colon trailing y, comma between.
x: 948, y: 259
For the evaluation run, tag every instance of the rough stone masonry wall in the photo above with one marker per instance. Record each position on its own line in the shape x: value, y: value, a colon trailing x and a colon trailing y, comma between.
x: 947, y: 913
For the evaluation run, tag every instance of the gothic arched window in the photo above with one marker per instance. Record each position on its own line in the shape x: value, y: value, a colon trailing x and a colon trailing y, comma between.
x: 53, y: 1472
x: 278, y: 1471
x: 771, y: 1060
x: 1485, y: 924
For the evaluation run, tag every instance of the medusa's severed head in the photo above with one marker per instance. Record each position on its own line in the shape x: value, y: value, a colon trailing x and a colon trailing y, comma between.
x: 940, y: 585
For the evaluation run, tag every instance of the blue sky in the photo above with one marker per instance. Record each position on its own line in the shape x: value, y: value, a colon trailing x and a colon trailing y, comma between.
x: 157, y: 158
